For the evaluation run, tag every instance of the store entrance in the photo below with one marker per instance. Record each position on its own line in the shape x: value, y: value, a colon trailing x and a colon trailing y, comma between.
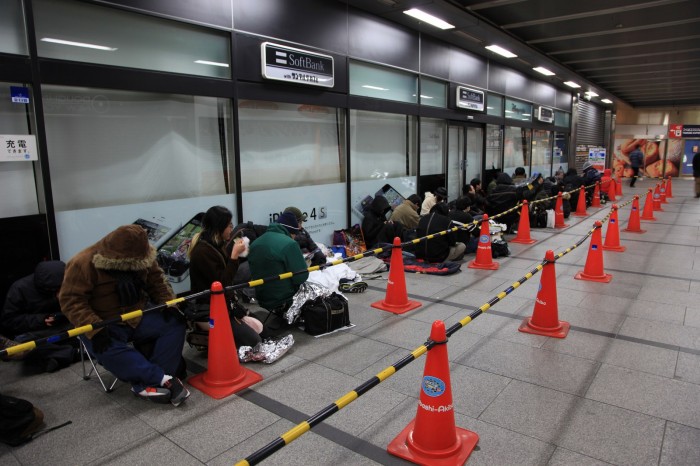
x: 465, y: 152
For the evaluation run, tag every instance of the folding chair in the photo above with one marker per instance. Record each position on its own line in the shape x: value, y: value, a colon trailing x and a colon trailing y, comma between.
x: 93, y: 363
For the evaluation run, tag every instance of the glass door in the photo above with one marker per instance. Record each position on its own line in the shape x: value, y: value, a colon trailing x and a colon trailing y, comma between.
x: 465, y: 150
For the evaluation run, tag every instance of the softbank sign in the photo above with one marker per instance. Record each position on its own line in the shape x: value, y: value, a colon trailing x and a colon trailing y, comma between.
x: 281, y: 63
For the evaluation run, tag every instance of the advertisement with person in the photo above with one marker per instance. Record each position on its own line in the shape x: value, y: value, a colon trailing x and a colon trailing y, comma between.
x: 654, y: 164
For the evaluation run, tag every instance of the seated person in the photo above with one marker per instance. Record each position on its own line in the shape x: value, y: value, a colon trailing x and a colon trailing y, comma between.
x: 431, y: 199
x: 590, y: 176
x: 376, y: 229
x: 303, y: 238
x: 461, y: 216
x: 32, y: 311
x: 442, y: 247
x: 210, y: 262
x: 275, y: 253
x: 506, y: 195
x: 116, y: 275
x: 519, y: 175
x: 407, y: 213
x: 572, y: 182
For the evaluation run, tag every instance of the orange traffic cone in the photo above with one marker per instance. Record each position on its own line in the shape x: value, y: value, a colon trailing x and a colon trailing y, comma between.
x: 596, y: 195
x: 662, y: 191
x: 618, y: 186
x: 612, y: 237
x: 612, y: 190
x: 545, y: 318
x: 396, y: 300
x: 484, y: 256
x: 656, y: 205
x: 523, y: 235
x: 593, y: 270
x: 633, y: 225
x: 224, y: 375
x: 432, y: 437
x: 648, y: 213
x: 559, y: 213
x: 669, y: 188
x: 581, y: 205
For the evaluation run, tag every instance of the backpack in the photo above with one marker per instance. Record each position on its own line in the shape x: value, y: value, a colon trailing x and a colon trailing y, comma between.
x: 499, y: 248
x: 325, y: 314
x: 19, y: 420
x: 538, y: 216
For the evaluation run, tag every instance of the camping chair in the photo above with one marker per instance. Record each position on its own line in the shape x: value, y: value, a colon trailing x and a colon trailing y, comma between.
x: 85, y: 357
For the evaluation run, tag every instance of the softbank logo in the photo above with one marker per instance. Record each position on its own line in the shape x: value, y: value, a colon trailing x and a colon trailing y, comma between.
x: 281, y: 57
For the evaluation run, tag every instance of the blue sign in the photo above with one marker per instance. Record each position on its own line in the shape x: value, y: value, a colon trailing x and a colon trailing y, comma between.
x: 432, y: 386
x: 484, y: 238
x: 19, y: 95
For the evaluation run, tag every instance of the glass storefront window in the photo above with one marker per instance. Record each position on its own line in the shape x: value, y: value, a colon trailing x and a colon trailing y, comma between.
x: 77, y: 31
x: 494, y: 137
x: 518, y: 110
x: 516, y: 149
x: 12, y: 35
x: 562, y: 118
x: 561, y: 150
x: 383, y: 83
x: 433, y: 93
x: 494, y: 105
x: 432, y: 146
x: 542, y: 152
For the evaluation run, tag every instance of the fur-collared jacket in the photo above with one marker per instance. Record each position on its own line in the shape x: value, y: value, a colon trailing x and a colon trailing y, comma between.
x: 116, y: 275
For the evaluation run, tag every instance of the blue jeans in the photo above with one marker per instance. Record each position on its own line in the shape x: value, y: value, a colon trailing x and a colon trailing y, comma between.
x: 130, y: 365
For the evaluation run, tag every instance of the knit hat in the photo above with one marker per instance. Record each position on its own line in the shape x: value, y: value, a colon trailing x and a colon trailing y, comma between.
x: 296, y: 212
x: 289, y: 221
x: 415, y: 198
x: 442, y: 192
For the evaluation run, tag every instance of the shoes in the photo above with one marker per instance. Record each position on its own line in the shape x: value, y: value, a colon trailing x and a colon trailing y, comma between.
x: 155, y: 394
x: 178, y: 392
x: 52, y: 365
x: 347, y: 286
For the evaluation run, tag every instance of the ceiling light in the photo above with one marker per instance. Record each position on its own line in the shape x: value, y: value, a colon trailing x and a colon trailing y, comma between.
x: 376, y: 88
x: 213, y: 63
x: 78, y: 44
x: 425, y: 96
x: 501, y: 51
x: 572, y: 84
x: 591, y: 94
x: 428, y: 18
x: 606, y: 101
x: 544, y: 71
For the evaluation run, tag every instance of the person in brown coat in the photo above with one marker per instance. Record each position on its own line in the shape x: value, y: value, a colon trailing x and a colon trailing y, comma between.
x: 407, y: 212
x: 116, y: 275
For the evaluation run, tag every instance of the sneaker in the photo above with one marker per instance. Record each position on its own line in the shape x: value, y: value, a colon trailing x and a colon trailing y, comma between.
x: 155, y: 394
x: 178, y: 391
x: 347, y: 286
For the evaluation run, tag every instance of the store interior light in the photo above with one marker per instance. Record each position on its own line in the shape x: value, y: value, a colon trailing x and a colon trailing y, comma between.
x: 544, y: 71
x: 591, y: 94
x: 212, y: 63
x: 606, y: 101
x: 572, y: 84
x: 375, y: 88
x: 78, y: 44
x: 428, y: 18
x: 501, y: 51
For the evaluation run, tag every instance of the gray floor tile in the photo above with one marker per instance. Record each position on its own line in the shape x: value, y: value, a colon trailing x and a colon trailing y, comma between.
x: 692, y: 317
x: 151, y: 449
x: 688, y: 368
x: 564, y: 457
x: 680, y: 446
x: 662, y: 332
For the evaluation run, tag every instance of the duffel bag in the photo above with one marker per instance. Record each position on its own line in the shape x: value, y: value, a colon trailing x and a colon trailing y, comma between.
x: 325, y: 314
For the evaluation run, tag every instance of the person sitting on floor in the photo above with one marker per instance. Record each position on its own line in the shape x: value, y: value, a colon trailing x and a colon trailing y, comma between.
x: 32, y: 311
x: 303, y: 238
x: 376, y: 229
x: 442, y: 247
x: 507, y: 195
x: 461, y: 216
x: 407, y: 212
x: 117, y: 275
x: 431, y: 199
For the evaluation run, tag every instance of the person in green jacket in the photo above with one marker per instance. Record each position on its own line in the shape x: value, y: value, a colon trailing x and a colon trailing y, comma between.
x: 275, y: 253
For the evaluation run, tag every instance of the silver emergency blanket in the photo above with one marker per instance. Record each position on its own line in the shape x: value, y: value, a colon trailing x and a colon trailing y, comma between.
x: 307, y: 291
x: 267, y: 351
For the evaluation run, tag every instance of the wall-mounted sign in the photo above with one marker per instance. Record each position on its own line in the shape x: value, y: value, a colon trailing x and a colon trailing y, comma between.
x: 19, y: 94
x: 683, y: 131
x: 545, y: 114
x: 291, y: 65
x: 470, y: 99
x: 18, y: 147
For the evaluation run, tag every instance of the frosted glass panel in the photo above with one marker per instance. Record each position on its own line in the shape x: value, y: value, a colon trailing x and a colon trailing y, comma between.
x: 518, y: 110
x: 433, y: 93
x: 12, y: 37
x: 432, y: 146
x: 561, y: 118
x: 516, y: 149
x: 494, y: 105
x: 69, y: 30
x: 382, y: 83
x: 542, y: 152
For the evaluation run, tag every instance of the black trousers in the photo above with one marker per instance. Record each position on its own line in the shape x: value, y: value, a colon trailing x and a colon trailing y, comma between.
x: 634, y: 175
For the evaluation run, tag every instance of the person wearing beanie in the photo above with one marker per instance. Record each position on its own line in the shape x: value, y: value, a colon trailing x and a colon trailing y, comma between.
x: 117, y: 275
x: 275, y: 253
x: 303, y: 238
x: 407, y: 212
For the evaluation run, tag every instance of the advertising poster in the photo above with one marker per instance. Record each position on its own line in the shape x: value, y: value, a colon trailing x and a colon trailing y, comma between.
x: 691, y: 146
x: 654, y: 164
x: 596, y: 155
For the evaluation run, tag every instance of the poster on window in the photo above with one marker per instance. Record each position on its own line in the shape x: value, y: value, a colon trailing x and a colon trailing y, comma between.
x: 596, y: 156
x: 654, y: 164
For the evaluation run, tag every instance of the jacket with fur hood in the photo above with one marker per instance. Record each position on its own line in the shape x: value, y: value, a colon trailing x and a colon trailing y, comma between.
x: 90, y: 291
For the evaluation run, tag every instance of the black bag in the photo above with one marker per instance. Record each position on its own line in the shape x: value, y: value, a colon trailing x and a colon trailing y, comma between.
x: 19, y: 420
x: 538, y: 216
x: 325, y: 314
x: 499, y: 248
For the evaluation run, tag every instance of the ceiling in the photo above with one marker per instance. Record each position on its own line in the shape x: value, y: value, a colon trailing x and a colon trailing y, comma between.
x: 644, y: 53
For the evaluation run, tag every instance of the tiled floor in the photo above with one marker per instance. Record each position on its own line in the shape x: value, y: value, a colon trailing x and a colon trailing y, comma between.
x: 622, y: 388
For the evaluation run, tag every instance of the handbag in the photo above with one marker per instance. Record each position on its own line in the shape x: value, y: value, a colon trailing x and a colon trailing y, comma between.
x: 325, y: 314
x: 352, y: 239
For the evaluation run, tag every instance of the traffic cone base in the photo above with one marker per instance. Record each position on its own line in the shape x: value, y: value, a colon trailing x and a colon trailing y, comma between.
x: 396, y: 300
x: 476, y: 265
x: 634, y: 231
x: 615, y: 248
x: 224, y: 375
x: 404, y: 447
x: 605, y: 278
x: 558, y: 332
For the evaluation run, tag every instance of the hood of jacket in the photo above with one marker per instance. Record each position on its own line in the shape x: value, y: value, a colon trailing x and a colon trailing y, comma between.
x: 48, y: 275
x: 380, y: 205
x: 126, y: 249
x: 504, y: 178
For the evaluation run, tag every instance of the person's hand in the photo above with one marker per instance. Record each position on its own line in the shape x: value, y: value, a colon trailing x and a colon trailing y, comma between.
x: 238, y: 248
x: 101, y: 341
x: 49, y: 320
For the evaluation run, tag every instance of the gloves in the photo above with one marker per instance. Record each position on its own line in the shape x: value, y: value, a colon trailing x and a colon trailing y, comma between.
x: 101, y: 341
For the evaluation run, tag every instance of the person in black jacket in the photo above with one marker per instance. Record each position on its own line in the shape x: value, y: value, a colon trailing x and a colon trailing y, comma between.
x: 376, y: 229
x: 32, y: 311
x: 461, y: 215
x: 303, y: 238
x: 442, y: 247
x: 572, y: 182
x: 506, y: 195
